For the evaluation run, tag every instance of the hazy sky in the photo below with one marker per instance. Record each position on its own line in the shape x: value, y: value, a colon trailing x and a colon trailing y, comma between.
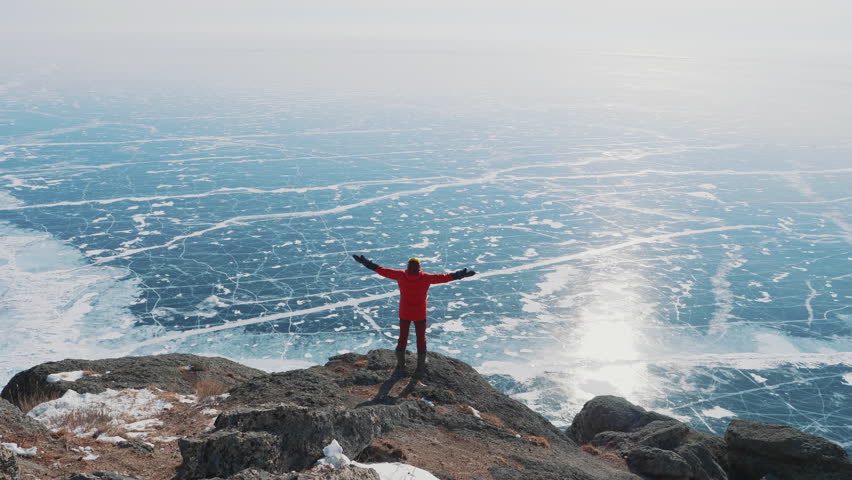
x: 649, y: 26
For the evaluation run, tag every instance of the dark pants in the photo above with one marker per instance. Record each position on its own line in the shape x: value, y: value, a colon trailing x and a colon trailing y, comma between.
x: 419, y: 329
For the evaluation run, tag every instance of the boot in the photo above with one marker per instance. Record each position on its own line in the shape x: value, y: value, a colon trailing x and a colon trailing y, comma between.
x: 421, y: 364
x: 400, y: 362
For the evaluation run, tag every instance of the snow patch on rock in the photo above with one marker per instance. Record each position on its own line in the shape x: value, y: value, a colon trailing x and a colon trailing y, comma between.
x: 119, y: 405
x: 20, y: 451
x: 335, y: 458
x: 65, y: 376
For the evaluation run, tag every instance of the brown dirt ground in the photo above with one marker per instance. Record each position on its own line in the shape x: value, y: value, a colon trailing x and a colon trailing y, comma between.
x: 56, y: 458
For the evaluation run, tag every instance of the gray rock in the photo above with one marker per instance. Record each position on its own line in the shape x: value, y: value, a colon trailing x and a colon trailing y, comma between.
x: 167, y: 372
x: 703, y: 463
x: 229, y: 452
x: 15, y: 424
x: 101, y: 476
x: 254, y: 474
x: 781, y: 441
x: 311, y: 387
x: 286, y: 437
x: 664, y: 434
x: 451, y: 381
x: 292, y: 415
x: 757, y: 449
x: 8, y: 465
x: 141, y: 448
x: 553, y: 469
x: 349, y: 472
x: 658, y: 464
x: 705, y: 453
x: 607, y: 413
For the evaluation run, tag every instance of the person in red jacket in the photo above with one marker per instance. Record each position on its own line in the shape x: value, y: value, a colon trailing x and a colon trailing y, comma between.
x: 413, y: 290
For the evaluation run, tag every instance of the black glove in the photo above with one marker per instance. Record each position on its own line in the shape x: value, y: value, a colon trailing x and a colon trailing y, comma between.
x: 463, y: 273
x: 365, y: 261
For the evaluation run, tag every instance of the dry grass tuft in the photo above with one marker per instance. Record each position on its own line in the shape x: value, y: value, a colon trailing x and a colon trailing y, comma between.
x: 538, y: 441
x: 493, y: 420
x: 610, y: 458
x: 90, y: 419
x: 359, y: 363
x: 208, y: 388
x: 28, y: 401
x: 613, y: 458
x: 89, y: 372
x: 497, y: 422
x: 590, y: 449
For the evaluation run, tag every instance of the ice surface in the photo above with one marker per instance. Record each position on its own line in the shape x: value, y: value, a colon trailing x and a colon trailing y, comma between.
x: 51, y: 310
x: 693, y: 264
x: 718, y: 412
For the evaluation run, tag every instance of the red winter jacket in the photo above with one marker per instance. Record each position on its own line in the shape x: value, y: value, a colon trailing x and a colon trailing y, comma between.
x: 413, y: 290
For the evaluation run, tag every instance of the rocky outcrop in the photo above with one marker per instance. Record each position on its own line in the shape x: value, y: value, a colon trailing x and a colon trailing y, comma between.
x: 610, y: 414
x: 16, y: 426
x: 452, y: 423
x: 101, y: 476
x: 349, y: 472
x: 655, y: 445
x: 659, y: 463
x: 659, y: 447
x: 313, y: 387
x: 179, y: 373
x: 757, y: 449
x: 8, y: 465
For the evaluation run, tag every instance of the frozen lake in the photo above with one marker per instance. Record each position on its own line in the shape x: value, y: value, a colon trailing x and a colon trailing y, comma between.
x: 679, y: 258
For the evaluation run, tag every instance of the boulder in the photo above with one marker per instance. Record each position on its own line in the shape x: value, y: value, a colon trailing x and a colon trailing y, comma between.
x: 614, y: 424
x: 286, y: 437
x: 174, y: 372
x: 657, y: 463
x: 658, y: 434
x: 226, y: 453
x: 781, y: 441
x: 757, y: 449
x: 607, y: 413
x: 703, y: 463
x: 8, y: 465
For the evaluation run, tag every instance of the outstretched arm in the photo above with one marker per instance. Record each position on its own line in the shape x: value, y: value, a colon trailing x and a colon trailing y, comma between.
x: 463, y: 273
x: 435, y: 278
x: 385, y: 272
x: 366, y: 262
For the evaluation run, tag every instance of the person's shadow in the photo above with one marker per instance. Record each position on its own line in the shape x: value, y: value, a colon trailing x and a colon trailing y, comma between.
x: 384, y: 397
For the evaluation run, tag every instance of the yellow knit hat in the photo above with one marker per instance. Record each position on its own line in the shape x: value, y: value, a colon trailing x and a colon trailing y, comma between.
x: 414, y: 259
